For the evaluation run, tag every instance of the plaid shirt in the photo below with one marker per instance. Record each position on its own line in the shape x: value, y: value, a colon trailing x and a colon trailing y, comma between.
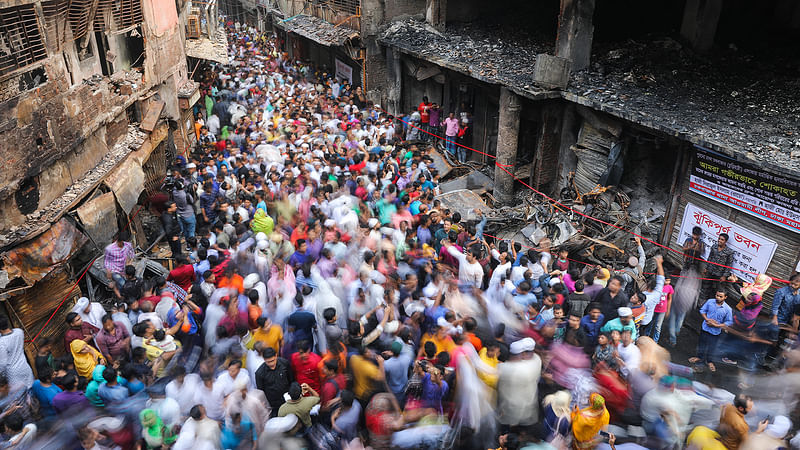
x: 180, y: 294
x: 115, y: 257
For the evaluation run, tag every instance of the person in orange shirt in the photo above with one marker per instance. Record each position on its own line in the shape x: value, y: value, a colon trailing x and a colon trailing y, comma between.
x: 299, y: 232
x: 231, y: 279
x: 440, y: 338
x: 338, y: 352
x: 470, y: 325
x: 253, y: 310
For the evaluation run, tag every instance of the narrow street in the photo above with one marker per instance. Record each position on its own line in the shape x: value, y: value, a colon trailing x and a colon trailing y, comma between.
x: 341, y: 224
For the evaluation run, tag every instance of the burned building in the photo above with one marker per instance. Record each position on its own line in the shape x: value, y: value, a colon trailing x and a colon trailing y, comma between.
x: 689, y: 108
x: 89, y: 99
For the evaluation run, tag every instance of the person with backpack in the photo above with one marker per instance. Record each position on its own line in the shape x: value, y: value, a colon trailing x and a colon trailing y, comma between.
x: 331, y: 387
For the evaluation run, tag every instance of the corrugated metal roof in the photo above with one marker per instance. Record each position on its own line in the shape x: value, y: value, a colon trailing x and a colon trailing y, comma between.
x: 317, y: 30
x: 31, y: 309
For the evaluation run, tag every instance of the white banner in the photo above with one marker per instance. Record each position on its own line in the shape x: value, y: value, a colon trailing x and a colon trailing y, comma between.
x: 343, y: 71
x: 751, y: 252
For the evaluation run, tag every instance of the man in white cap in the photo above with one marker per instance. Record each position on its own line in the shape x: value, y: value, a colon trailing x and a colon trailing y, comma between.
x: 773, y: 437
x: 517, y: 385
x: 623, y: 322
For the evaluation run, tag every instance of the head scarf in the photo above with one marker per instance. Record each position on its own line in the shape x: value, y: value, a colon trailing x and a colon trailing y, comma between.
x: 587, y: 422
x: 84, y: 362
x: 153, y: 430
x: 95, y: 314
x: 744, y: 317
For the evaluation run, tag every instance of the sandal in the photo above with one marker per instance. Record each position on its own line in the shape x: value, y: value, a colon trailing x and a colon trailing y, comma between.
x: 694, y: 360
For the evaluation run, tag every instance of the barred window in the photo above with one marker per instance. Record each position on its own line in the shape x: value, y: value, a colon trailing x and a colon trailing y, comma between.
x: 20, y: 39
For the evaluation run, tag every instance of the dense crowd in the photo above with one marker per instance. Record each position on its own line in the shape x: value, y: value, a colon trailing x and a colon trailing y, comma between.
x: 321, y: 297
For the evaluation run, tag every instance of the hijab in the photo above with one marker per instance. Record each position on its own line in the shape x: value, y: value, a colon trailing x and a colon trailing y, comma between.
x: 95, y: 314
x: 154, y: 432
x: 85, y: 362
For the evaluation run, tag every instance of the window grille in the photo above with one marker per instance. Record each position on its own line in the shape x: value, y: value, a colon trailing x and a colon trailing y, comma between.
x: 21, y: 42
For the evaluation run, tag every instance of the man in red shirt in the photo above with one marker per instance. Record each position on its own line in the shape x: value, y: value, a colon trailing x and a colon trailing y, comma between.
x: 424, y: 116
x: 182, y: 274
x: 305, y: 365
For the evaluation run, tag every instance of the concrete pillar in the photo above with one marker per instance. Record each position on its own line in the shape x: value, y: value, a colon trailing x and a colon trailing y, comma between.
x: 699, y: 25
x: 394, y: 72
x: 575, y: 30
x: 436, y: 13
x: 507, y: 139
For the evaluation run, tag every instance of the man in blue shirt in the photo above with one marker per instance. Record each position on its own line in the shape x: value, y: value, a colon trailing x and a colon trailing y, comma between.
x: 110, y: 391
x: 716, y: 315
x: 396, y: 368
x: 591, y: 324
x: 785, y: 300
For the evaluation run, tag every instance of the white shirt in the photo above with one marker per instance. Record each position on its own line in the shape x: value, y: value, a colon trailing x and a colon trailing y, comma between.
x: 228, y: 384
x: 631, y: 355
x: 211, y: 399
x: 467, y: 273
x: 183, y: 393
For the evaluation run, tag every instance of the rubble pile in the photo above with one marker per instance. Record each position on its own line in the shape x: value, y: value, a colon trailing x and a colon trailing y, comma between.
x: 731, y: 99
x: 478, y: 52
x: 40, y: 219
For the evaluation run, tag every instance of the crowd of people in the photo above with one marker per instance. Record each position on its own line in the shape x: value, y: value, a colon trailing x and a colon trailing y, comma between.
x: 321, y: 297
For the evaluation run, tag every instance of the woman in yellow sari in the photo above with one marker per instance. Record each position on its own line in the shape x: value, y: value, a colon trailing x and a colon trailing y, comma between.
x: 85, y: 357
x: 587, y: 422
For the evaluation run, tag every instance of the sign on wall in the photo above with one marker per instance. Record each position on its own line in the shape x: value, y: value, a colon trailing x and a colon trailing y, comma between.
x: 343, y: 71
x: 748, y: 188
x: 751, y: 252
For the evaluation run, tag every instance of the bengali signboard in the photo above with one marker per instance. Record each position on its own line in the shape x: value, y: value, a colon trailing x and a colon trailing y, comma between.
x: 751, y: 252
x: 343, y: 71
x: 774, y: 198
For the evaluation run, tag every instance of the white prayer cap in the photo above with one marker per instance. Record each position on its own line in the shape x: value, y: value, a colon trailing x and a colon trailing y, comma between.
x: 624, y: 311
x: 779, y: 428
x: 260, y: 236
x: 523, y: 345
x: 280, y: 424
x: 251, y: 280
x: 372, y: 222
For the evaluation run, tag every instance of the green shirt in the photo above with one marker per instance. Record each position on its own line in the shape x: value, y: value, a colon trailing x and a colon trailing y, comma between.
x: 301, y: 409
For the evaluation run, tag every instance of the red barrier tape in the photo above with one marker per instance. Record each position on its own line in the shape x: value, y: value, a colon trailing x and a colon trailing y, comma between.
x: 503, y: 167
x: 616, y: 271
x: 79, y: 280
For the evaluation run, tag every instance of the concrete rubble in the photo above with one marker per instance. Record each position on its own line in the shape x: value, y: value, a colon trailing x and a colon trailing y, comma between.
x: 42, y: 218
x: 735, y: 101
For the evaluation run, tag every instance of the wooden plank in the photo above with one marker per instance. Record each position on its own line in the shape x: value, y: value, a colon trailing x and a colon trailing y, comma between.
x: 151, y: 117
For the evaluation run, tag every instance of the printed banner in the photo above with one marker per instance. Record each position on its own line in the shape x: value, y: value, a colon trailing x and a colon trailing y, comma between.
x: 751, y: 252
x: 748, y: 188
x: 343, y: 71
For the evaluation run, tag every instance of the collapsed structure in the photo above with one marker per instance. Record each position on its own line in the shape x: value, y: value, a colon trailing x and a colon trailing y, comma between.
x: 94, y: 100
x: 573, y: 94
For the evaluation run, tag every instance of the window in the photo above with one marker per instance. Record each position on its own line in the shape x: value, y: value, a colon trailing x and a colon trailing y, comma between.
x: 20, y: 40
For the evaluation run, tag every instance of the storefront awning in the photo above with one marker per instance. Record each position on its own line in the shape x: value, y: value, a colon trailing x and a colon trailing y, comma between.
x: 318, y: 30
x: 215, y: 50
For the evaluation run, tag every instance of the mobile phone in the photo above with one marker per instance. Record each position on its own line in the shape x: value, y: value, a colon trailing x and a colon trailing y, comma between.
x: 604, y: 435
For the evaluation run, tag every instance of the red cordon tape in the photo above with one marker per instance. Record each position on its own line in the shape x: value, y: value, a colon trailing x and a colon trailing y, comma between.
x: 79, y: 280
x: 616, y: 271
x: 504, y: 167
